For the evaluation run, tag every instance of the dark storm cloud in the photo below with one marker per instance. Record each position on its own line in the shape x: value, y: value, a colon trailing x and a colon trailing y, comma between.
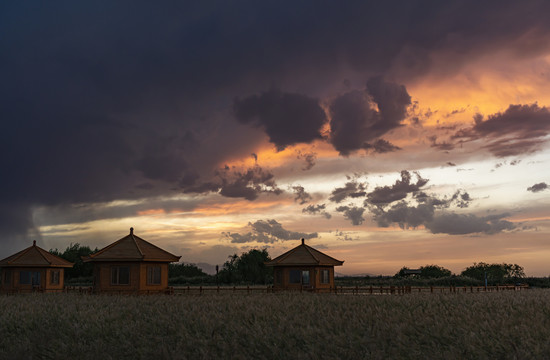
x: 518, y: 130
x: 398, y: 191
x: 355, y: 121
x: 538, y: 187
x: 267, y: 231
x: 352, y: 189
x: 352, y: 213
x: 302, y: 196
x: 316, y: 209
x: 287, y: 118
x: 99, y: 98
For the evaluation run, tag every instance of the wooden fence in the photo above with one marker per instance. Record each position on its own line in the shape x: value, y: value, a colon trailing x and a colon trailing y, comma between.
x: 342, y: 290
x: 353, y: 290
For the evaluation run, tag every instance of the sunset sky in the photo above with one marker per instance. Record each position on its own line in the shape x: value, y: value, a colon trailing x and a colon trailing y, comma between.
x: 387, y: 134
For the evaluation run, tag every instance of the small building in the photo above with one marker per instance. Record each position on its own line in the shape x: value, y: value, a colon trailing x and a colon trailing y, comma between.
x: 33, y: 269
x: 304, y: 268
x: 131, y: 265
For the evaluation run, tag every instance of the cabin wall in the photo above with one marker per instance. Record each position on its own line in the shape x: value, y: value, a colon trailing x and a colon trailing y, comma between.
x: 282, y: 277
x: 103, y: 277
x: 138, y: 281
x: 45, y: 285
x: 144, y: 283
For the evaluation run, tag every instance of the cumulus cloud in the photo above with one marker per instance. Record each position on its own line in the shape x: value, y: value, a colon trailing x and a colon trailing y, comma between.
x: 316, y: 209
x: 287, y: 118
x: 407, y: 216
x: 267, y: 231
x: 352, y: 213
x: 302, y: 196
x: 538, y: 187
x: 520, y: 129
x: 248, y: 184
x: 398, y: 191
x: 360, y: 116
x: 460, y: 224
x: 309, y: 158
x: 352, y: 189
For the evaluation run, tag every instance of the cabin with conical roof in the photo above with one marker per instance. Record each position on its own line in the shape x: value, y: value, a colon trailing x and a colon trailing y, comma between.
x: 304, y: 268
x: 33, y: 269
x: 131, y: 265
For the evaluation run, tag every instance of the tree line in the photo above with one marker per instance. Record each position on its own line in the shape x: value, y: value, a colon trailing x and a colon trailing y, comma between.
x: 250, y: 268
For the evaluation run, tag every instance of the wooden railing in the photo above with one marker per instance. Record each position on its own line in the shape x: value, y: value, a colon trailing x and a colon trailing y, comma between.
x: 425, y: 289
x: 342, y: 290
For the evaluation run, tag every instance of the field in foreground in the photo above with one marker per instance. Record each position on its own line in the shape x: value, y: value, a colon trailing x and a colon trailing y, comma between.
x: 505, y: 325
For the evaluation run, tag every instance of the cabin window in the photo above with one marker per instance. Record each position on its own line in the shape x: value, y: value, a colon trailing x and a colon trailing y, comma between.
x: 325, y: 279
x: 295, y: 277
x: 7, y: 276
x: 120, y: 275
x: 153, y: 275
x: 29, y: 278
x: 54, y: 277
x: 305, y: 277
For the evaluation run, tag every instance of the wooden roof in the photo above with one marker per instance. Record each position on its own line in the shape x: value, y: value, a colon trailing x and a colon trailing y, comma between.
x: 132, y: 248
x: 304, y: 255
x: 34, y: 256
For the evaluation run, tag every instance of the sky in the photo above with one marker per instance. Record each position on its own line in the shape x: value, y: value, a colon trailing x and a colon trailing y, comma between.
x: 386, y: 134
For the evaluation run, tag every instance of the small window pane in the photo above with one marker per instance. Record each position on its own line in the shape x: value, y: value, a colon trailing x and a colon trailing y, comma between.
x: 35, y: 278
x: 120, y: 275
x: 305, y: 277
x: 153, y: 275
x: 124, y: 276
x: 325, y: 279
x: 24, y: 277
x: 295, y: 276
x: 54, y: 277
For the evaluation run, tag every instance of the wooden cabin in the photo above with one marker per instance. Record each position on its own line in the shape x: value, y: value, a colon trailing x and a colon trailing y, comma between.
x: 131, y: 265
x: 304, y: 268
x: 33, y: 269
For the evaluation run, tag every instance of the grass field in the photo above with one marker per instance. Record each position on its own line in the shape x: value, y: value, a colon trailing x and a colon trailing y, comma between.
x: 504, y: 325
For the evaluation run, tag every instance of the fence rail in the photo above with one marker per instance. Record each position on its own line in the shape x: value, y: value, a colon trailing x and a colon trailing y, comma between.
x: 342, y: 290
x: 354, y: 290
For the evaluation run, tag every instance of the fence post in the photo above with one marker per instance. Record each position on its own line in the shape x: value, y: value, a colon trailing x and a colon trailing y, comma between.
x: 370, y: 289
x: 431, y: 289
x: 247, y: 289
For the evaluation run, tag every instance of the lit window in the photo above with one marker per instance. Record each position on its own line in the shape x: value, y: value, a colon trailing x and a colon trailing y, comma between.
x: 325, y: 279
x: 153, y: 275
x: 120, y: 275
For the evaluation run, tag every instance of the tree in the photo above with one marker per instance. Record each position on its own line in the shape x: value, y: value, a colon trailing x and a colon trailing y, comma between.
x: 496, y: 273
x: 74, y: 253
x: 426, y: 272
x: 184, y: 270
x: 249, y: 267
x: 434, y: 271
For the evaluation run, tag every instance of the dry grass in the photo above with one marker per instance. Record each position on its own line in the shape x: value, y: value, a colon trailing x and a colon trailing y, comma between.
x: 505, y: 325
